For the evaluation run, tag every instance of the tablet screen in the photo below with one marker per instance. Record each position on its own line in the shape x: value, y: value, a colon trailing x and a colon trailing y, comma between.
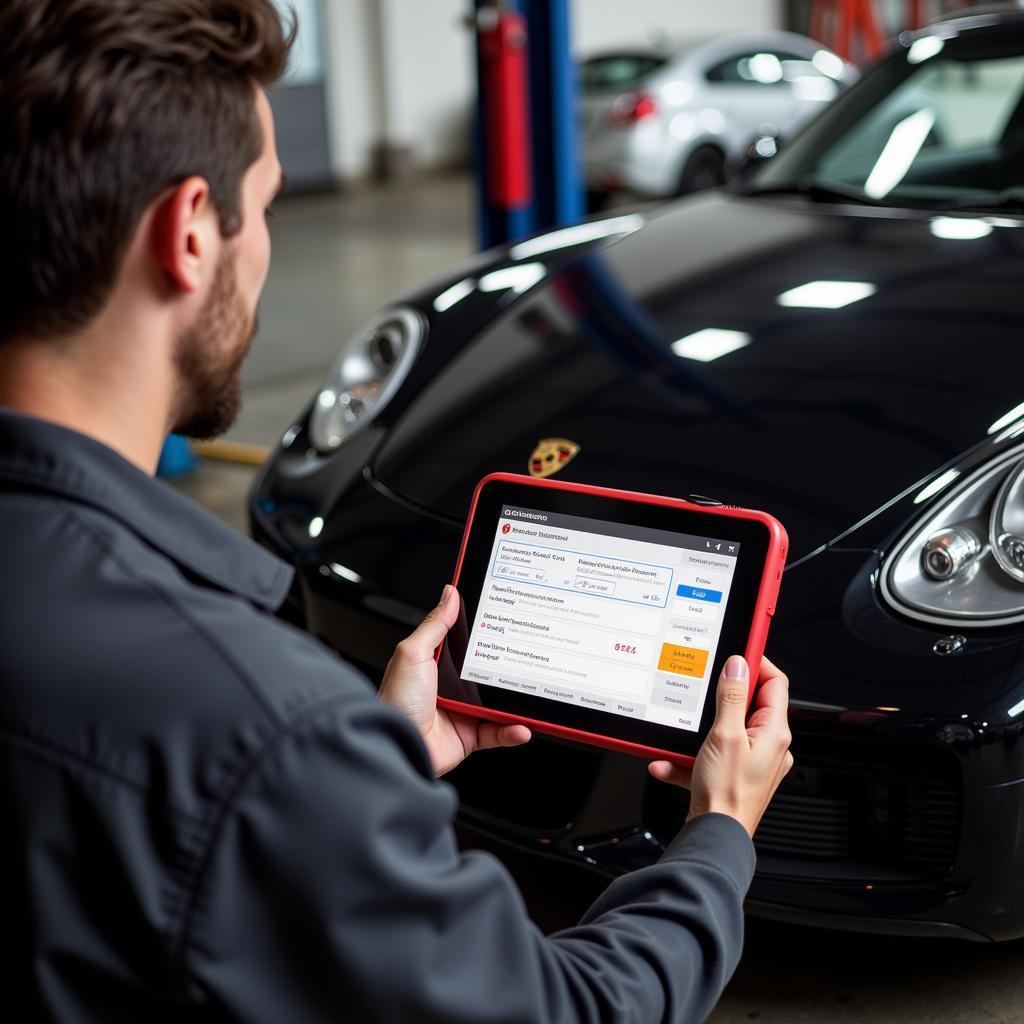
x: 601, y: 614
x: 607, y: 616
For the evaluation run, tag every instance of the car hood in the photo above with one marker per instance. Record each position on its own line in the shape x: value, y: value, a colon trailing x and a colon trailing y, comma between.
x: 670, y: 360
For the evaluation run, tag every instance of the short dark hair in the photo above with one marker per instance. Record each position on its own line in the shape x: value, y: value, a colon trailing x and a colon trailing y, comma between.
x: 104, y: 105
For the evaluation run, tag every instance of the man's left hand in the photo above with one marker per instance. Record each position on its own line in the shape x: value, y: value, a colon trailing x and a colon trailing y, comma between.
x: 410, y: 685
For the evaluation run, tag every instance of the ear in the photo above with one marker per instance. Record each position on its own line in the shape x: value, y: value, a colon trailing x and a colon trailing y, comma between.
x: 182, y: 236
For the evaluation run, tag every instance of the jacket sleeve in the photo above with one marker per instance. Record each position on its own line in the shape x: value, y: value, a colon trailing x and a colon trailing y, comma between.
x: 335, y: 891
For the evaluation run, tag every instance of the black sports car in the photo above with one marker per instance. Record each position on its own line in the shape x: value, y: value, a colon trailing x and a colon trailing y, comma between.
x: 837, y: 340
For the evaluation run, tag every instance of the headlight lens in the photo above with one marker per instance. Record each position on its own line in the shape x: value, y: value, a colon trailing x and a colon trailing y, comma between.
x: 963, y: 564
x: 367, y: 372
x: 1008, y: 525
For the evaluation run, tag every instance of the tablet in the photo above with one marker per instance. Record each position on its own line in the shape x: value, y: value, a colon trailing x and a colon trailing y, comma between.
x: 606, y: 616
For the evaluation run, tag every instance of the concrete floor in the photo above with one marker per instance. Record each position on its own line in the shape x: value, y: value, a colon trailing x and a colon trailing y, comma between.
x: 336, y: 261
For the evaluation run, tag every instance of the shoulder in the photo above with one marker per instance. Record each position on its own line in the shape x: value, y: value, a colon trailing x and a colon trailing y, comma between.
x: 112, y: 655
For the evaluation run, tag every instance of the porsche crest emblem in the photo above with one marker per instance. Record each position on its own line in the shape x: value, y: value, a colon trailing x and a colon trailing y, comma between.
x: 551, y: 455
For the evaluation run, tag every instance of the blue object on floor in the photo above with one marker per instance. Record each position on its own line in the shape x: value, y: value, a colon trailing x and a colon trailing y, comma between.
x: 177, y: 458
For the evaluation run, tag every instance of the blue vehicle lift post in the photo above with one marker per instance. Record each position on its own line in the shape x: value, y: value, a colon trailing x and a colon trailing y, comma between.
x: 527, y: 155
x: 554, y: 114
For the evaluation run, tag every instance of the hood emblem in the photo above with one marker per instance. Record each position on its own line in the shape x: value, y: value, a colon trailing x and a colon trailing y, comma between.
x: 551, y: 455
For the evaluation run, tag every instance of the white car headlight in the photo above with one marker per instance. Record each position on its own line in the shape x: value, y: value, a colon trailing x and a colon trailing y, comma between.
x: 963, y: 564
x: 367, y: 372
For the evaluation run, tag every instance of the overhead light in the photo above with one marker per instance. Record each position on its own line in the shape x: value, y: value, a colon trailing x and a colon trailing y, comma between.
x: 591, y: 231
x: 1016, y: 413
x: 924, y: 49
x: 829, y: 64
x: 456, y: 293
x: 899, y: 153
x: 960, y: 228
x: 826, y: 294
x: 518, y: 278
x: 940, y: 483
x: 1015, y: 710
x: 710, y: 344
x: 316, y: 526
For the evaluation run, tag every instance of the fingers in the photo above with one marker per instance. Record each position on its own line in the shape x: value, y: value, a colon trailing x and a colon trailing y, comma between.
x: 741, y: 764
x: 489, y: 735
x: 421, y: 643
x: 772, y: 702
x: 769, y: 670
x: 733, y: 689
x: 785, y: 767
x: 675, y: 774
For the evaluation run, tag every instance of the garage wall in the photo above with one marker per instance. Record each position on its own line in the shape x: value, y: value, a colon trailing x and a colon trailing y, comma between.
x: 597, y: 23
x: 433, y: 77
x: 353, y: 103
x: 402, y: 71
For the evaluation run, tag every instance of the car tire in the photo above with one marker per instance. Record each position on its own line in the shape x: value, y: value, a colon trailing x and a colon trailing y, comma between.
x: 704, y: 168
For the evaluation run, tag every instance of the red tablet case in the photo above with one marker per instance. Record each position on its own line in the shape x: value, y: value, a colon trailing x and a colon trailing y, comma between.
x: 764, y: 609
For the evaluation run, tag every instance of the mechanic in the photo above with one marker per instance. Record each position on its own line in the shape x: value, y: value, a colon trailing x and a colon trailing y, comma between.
x: 206, y: 814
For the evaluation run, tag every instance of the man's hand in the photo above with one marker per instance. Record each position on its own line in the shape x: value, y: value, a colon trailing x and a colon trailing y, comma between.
x: 410, y: 684
x: 740, y: 764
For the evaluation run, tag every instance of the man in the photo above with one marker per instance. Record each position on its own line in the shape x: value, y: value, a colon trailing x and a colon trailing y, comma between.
x: 206, y: 815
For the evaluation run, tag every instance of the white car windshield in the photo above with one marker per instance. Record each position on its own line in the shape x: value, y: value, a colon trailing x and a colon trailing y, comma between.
x: 939, y: 125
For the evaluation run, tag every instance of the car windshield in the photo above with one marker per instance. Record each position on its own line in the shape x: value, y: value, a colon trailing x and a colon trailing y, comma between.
x: 939, y: 125
x: 617, y: 70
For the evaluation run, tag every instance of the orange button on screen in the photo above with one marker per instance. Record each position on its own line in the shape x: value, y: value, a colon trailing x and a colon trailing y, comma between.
x: 683, y: 661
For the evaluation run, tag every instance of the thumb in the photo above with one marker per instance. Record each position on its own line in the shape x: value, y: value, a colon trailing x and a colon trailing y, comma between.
x: 733, y: 690
x: 421, y: 643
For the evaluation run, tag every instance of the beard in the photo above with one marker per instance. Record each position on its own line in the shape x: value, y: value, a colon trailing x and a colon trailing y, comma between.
x: 208, y: 358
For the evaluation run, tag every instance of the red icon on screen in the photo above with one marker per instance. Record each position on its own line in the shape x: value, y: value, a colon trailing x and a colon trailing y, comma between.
x: 506, y: 528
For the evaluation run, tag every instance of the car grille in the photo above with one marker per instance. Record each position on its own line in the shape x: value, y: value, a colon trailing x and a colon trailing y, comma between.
x: 805, y: 826
x: 849, y: 811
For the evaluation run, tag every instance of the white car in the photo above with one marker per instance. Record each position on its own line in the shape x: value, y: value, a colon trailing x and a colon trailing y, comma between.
x: 661, y: 124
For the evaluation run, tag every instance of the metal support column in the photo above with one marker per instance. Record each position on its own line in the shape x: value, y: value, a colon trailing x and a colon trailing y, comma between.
x: 557, y: 178
x: 527, y: 153
x: 501, y: 131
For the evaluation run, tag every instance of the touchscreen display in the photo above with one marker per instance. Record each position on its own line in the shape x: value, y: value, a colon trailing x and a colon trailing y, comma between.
x: 616, y: 618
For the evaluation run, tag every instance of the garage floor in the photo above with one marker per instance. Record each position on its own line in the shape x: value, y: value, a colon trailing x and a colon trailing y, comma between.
x: 336, y: 261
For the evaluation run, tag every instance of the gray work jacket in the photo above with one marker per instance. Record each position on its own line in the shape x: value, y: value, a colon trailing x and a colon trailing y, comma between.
x: 205, y: 815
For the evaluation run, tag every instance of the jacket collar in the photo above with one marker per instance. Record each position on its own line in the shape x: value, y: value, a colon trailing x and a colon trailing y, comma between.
x: 42, y: 456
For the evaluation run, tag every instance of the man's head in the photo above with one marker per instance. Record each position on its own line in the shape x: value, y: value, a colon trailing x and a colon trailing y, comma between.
x: 137, y: 157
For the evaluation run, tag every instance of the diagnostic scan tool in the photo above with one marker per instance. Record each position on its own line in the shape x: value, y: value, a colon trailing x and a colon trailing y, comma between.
x: 605, y: 616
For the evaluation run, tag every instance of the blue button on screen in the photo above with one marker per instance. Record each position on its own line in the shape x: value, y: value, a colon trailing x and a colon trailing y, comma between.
x: 699, y: 594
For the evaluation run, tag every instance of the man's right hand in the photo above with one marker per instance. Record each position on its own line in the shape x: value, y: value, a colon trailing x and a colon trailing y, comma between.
x: 741, y: 763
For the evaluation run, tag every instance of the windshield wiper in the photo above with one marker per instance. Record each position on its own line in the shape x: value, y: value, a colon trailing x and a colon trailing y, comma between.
x: 816, y: 190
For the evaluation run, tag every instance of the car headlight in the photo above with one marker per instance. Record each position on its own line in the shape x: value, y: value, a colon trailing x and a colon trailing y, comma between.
x: 963, y: 564
x: 367, y: 372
